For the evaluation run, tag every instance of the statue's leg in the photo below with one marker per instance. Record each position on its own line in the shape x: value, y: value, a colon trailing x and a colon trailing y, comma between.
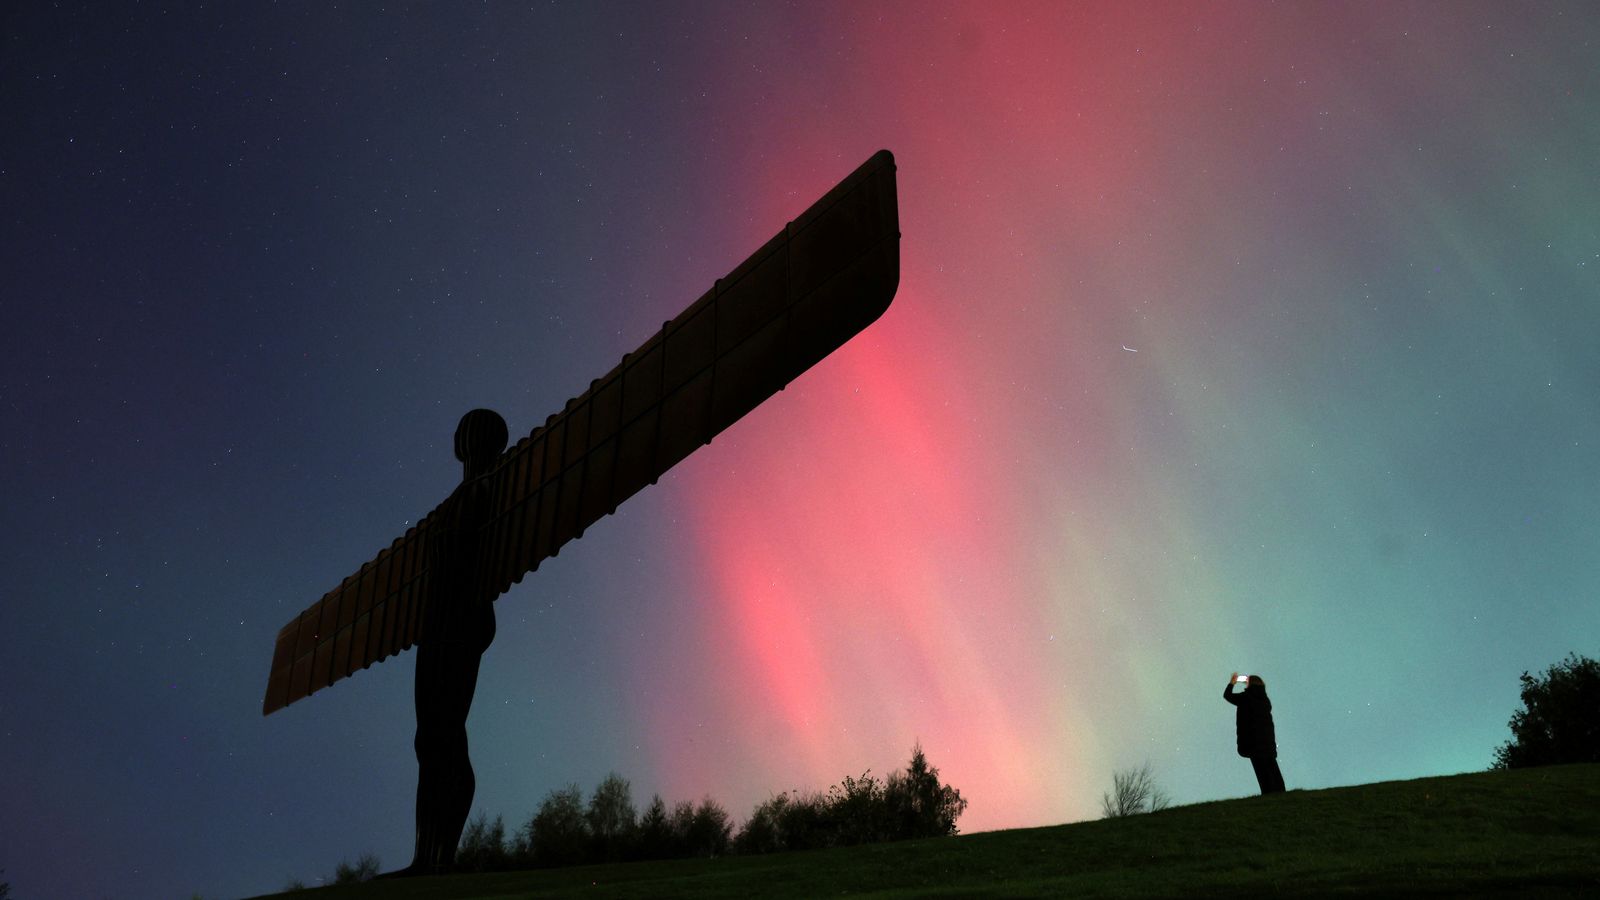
x: 456, y: 796
x: 429, y: 759
x: 456, y: 802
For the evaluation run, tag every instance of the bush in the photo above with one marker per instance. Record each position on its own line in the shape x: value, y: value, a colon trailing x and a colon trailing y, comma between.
x: 806, y: 822
x: 365, y: 869
x: 558, y: 834
x: 1133, y: 791
x: 761, y: 832
x: 1558, y: 722
x: 483, y: 846
x: 563, y: 832
x: 909, y: 804
x: 860, y: 811
x: 787, y: 822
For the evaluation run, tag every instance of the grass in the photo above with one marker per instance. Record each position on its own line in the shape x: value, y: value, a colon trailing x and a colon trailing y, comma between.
x: 1530, y: 832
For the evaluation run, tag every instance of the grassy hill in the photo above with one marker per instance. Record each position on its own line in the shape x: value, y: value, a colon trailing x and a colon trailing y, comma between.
x: 1532, y: 832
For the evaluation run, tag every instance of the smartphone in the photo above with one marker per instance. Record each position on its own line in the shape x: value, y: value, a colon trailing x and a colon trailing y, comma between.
x: 1241, y: 679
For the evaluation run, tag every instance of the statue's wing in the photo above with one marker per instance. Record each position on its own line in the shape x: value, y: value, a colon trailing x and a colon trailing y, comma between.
x: 824, y: 277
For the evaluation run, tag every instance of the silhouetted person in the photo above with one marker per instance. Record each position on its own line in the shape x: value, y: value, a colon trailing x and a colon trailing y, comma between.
x: 458, y: 625
x: 1253, y: 721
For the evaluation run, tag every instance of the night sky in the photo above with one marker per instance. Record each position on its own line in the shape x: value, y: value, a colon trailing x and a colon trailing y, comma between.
x: 1241, y: 336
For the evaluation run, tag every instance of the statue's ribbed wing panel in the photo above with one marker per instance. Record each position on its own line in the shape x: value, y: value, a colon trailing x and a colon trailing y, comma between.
x: 827, y: 275
x: 813, y: 286
x: 371, y: 615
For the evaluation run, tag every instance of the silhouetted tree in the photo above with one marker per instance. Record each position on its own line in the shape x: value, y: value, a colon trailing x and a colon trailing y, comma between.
x: 483, y: 846
x: 557, y: 833
x: 679, y: 822
x: 611, y: 818
x: 563, y: 831
x: 920, y: 805
x: 654, y: 840
x: 1558, y: 722
x: 860, y: 811
x: 709, y: 831
x: 805, y: 822
x: 520, y: 846
x: 1133, y: 791
x: 762, y: 832
x: 909, y: 804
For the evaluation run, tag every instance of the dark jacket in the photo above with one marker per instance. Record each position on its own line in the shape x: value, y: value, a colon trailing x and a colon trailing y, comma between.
x: 1253, y: 721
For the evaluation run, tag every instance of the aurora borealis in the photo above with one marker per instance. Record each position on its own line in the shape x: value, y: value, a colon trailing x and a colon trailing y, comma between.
x: 1250, y: 336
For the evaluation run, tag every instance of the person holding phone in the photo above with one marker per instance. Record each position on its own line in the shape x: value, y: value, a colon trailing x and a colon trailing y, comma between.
x: 1253, y: 723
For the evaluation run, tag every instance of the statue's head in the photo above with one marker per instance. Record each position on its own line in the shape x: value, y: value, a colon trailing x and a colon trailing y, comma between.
x: 480, y: 437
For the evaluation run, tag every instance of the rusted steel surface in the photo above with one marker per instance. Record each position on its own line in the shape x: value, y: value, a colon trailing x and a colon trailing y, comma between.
x: 813, y: 286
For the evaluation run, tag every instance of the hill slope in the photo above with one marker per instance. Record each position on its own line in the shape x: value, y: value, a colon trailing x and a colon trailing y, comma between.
x: 1532, y: 832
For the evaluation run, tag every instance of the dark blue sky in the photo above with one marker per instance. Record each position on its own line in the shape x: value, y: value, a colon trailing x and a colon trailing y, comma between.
x: 1255, y: 337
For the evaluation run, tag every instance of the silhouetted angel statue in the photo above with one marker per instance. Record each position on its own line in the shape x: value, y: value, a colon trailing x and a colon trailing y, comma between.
x: 458, y: 627
x: 828, y: 274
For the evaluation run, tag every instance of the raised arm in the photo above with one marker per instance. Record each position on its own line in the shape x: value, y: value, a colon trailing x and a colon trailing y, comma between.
x: 1227, y: 692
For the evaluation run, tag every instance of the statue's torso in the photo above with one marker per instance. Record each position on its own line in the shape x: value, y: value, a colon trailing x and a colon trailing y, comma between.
x: 460, y: 611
